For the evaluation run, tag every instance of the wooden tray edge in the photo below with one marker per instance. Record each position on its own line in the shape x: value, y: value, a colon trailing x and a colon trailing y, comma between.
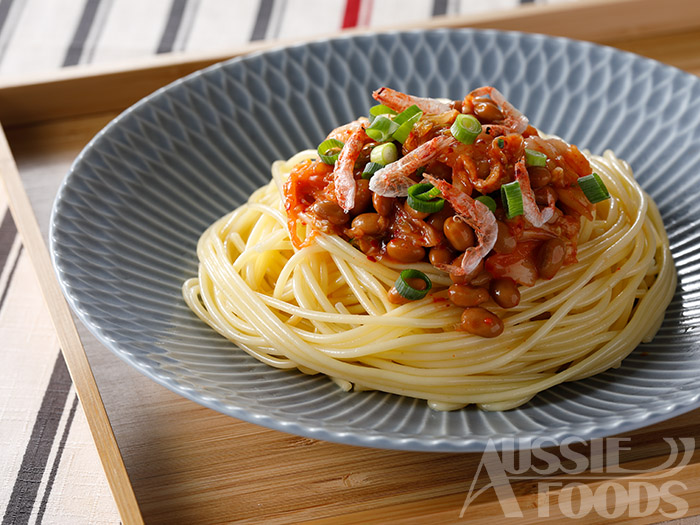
x: 71, y: 346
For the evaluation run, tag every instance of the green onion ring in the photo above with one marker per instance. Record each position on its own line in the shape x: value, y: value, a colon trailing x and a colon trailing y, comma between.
x: 380, y: 109
x: 384, y: 153
x: 465, y: 128
x: 406, y: 120
x: 407, y: 114
x: 406, y: 290
x: 487, y: 201
x: 329, y: 150
x: 593, y: 188
x: 370, y: 169
x: 381, y: 129
x: 535, y: 158
x: 512, y: 198
x: 423, y: 197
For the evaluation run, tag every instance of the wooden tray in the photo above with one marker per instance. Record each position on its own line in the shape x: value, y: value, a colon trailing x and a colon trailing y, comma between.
x: 169, y: 460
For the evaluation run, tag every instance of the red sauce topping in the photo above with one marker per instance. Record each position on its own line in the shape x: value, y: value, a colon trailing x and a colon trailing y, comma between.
x: 383, y: 226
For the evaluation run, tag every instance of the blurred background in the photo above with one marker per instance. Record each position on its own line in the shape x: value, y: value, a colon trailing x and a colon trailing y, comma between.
x: 38, y: 36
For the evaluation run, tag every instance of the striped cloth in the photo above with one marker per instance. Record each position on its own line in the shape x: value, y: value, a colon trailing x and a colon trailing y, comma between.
x: 49, y: 469
x: 41, y: 35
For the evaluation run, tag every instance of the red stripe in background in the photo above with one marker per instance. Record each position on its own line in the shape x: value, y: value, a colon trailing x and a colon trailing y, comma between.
x: 352, y: 13
x: 365, y: 13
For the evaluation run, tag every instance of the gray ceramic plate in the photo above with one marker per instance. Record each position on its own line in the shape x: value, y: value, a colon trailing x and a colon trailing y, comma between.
x: 127, y: 218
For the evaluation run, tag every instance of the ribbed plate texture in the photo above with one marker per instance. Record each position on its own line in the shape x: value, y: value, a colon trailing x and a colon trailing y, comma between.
x: 127, y: 218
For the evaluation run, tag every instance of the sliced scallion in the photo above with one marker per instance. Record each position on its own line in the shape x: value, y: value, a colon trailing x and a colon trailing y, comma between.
x: 487, y: 201
x: 380, y: 109
x: 406, y: 120
x: 381, y: 129
x: 370, y: 169
x: 466, y: 128
x: 405, y: 129
x: 593, y: 188
x: 407, y: 114
x: 329, y: 149
x: 512, y: 199
x: 500, y: 143
x: 430, y: 193
x: 424, y: 197
x: 535, y: 158
x: 384, y: 154
x: 408, y: 291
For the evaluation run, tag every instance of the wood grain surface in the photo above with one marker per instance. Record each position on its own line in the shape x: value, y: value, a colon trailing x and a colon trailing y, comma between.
x: 182, y: 463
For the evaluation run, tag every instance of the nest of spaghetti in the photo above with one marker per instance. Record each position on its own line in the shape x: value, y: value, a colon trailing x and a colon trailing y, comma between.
x: 443, y: 250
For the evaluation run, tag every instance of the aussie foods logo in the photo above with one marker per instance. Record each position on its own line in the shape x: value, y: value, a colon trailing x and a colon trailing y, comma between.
x: 576, y: 484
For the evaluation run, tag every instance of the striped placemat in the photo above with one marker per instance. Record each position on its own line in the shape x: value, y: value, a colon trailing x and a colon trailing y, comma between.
x: 49, y: 469
x: 41, y: 35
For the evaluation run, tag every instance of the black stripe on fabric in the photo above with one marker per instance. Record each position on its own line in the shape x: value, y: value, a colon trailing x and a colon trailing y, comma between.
x: 77, y: 44
x: 36, y: 454
x: 57, y: 461
x: 187, y: 25
x: 439, y: 7
x: 262, y: 20
x: 172, y: 26
x: 281, y: 7
x: 8, y: 9
x: 527, y: 1
x: 5, y: 6
x: 9, y: 277
x: 8, y: 232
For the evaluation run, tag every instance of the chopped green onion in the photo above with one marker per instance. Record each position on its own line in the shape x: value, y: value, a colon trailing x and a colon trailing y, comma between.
x: 487, y: 201
x: 405, y: 129
x: 407, y: 114
x: 370, y: 169
x: 408, y: 291
x: 380, y: 109
x: 429, y: 194
x: 593, y: 188
x: 423, y: 190
x: 423, y: 197
x: 512, y: 199
x: 535, y: 158
x: 465, y: 128
x: 406, y: 120
x: 381, y: 129
x: 384, y: 153
x: 329, y: 149
x: 422, y: 206
x: 501, y: 143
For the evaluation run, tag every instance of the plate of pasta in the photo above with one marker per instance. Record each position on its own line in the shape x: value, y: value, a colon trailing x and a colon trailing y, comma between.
x: 428, y: 240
